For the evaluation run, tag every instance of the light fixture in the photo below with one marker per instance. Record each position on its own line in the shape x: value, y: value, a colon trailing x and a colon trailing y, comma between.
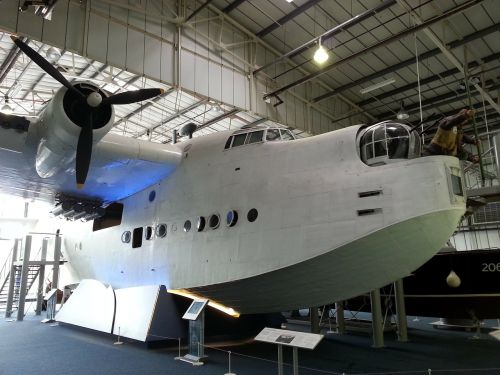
x: 215, y: 107
x: 289, y: 1
x: 376, y: 86
x: 321, y: 54
x: 402, y: 114
x: 53, y: 54
x: 6, y: 108
x: 218, y: 306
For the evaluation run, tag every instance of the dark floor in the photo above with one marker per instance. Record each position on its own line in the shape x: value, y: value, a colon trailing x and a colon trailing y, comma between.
x: 30, y: 347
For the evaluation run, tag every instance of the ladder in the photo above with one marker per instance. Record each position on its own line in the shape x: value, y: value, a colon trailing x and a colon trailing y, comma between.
x: 33, y: 272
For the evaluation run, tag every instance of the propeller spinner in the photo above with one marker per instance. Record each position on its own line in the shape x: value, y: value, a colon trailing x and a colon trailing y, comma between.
x: 89, y: 103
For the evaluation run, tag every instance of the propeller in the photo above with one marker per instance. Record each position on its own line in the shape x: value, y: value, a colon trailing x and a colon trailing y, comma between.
x: 90, y: 103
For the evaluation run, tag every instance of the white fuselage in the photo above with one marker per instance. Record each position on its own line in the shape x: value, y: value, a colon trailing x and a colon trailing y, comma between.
x: 315, y: 240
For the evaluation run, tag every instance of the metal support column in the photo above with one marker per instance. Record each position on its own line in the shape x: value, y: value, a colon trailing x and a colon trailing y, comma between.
x: 12, y: 279
x: 24, y: 278
x: 280, y: 359
x: 313, y: 314
x: 378, y: 334
x: 57, y: 258
x: 401, y: 311
x: 41, y: 277
x: 295, y: 360
x: 339, y: 308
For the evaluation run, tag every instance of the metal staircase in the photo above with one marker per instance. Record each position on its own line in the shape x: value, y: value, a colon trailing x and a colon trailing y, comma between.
x: 33, y: 272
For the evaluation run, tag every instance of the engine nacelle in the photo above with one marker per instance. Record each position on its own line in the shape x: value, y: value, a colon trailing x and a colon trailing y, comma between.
x: 60, y: 124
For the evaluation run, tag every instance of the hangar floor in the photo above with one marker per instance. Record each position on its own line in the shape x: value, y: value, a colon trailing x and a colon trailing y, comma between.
x: 30, y: 347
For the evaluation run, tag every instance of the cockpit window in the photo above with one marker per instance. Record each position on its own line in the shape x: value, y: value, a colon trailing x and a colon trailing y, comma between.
x: 286, y: 135
x: 387, y: 142
x: 239, y: 140
x: 256, y: 136
x: 273, y: 135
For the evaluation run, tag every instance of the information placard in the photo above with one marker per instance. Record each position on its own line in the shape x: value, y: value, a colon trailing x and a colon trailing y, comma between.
x: 296, y: 339
x: 195, y: 309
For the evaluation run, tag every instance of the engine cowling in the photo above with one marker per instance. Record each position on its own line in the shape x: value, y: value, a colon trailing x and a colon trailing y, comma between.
x: 60, y: 125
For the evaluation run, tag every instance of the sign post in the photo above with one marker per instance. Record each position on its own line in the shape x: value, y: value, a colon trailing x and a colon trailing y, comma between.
x: 196, y: 316
x: 296, y: 340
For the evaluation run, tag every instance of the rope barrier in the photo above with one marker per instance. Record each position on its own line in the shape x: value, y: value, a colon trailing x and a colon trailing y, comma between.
x: 230, y: 353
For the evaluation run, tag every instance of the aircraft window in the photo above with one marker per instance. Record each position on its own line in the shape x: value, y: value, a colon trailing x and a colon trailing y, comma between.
x: 239, y: 140
x: 273, y: 135
x: 228, y: 143
x: 161, y: 230
x: 385, y: 141
x: 152, y: 195
x: 200, y: 225
x: 286, y: 135
x: 252, y: 215
x: 255, y: 136
x: 231, y: 218
x: 214, y: 221
x: 149, y: 233
x: 187, y: 226
x: 126, y: 236
x: 137, y: 237
x: 111, y: 218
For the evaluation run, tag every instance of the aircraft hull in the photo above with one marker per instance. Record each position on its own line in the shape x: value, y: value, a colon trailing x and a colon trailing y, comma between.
x: 358, y: 267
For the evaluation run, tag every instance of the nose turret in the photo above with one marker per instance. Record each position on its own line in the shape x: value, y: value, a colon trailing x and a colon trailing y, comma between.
x: 387, y: 142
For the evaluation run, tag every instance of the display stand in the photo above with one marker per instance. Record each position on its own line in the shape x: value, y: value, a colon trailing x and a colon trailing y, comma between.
x: 295, y: 339
x: 51, y: 302
x: 196, y: 348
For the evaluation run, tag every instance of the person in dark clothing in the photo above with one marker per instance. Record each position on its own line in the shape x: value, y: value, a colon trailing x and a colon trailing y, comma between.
x: 450, y: 136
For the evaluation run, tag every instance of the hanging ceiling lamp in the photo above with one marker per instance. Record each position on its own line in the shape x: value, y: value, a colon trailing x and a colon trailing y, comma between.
x: 402, y: 114
x: 6, y: 108
x: 321, y: 54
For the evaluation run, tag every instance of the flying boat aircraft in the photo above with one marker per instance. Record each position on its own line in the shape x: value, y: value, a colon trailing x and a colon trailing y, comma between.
x: 252, y: 219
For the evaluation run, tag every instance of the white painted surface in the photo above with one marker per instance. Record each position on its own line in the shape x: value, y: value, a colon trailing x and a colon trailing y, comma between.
x: 134, y: 311
x: 91, y: 305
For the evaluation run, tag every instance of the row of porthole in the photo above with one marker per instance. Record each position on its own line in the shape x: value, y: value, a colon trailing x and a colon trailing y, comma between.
x: 213, y: 223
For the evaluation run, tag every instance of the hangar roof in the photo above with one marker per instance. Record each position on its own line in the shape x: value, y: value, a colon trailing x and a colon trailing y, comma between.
x: 387, y: 43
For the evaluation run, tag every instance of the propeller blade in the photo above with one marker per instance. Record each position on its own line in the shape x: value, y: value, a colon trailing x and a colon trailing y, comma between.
x: 84, y: 153
x: 129, y: 97
x: 44, y: 64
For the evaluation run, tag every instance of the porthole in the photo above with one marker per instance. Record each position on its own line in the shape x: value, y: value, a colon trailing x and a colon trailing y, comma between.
x: 231, y: 218
x: 161, y: 230
x: 149, y: 233
x: 214, y: 221
x: 152, y: 195
x: 252, y: 215
x: 200, y: 225
x: 126, y: 236
x: 187, y: 226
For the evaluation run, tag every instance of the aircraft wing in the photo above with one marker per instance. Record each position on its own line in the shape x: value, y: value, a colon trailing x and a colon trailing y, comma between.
x: 120, y: 166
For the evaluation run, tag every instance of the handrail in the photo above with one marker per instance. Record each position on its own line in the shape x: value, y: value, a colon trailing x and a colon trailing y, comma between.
x: 6, y: 266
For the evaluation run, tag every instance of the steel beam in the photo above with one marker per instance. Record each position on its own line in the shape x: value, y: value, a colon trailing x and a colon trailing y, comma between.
x: 235, y: 4
x: 12, y: 279
x: 24, y: 279
x: 330, y: 33
x: 435, y: 39
x: 401, y: 311
x: 442, y: 99
x: 378, y: 332
x: 41, y: 277
x: 408, y: 62
x: 314, y: 319
x: 457, y: 10
x: 340, y: 319
x: 57, y: 257
x: 287, y: 17
x: 198, y: 10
